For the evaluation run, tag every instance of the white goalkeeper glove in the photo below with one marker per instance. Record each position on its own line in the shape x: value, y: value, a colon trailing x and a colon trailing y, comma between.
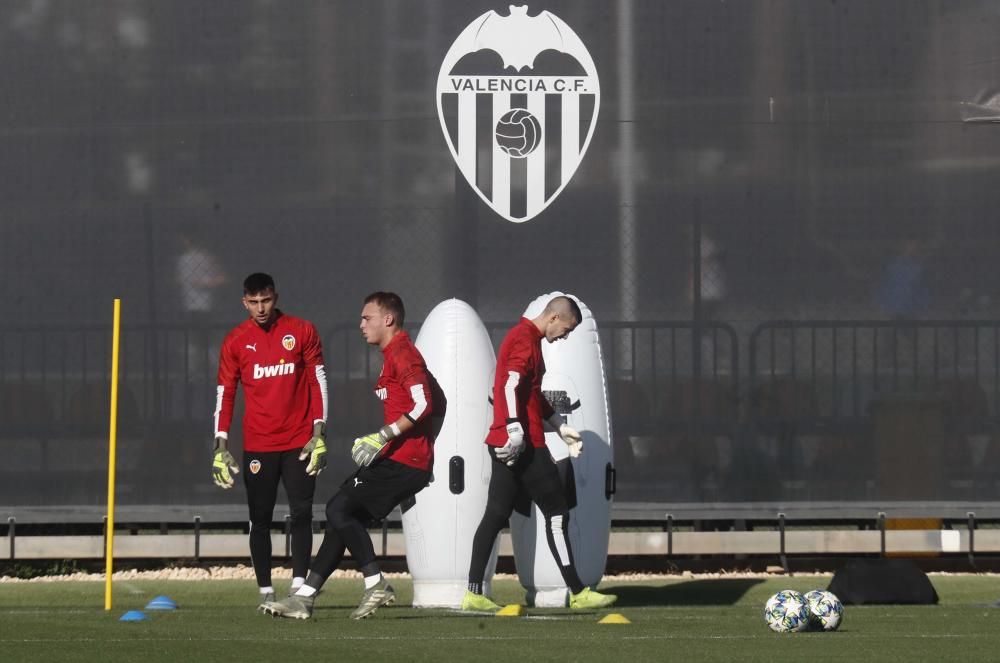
x: 568, y: 434
x: 223, y: 464
x: 509, y: 452
x: 315, y: 450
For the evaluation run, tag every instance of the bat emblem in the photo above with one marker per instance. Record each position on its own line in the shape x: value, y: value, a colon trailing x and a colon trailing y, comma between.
x: 519, y: 38
x: 518, y: 98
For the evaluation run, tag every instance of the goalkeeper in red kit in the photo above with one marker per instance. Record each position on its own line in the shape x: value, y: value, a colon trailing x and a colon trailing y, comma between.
x: 394, y: 462
x: 521, y: 463
x: 279, y: 360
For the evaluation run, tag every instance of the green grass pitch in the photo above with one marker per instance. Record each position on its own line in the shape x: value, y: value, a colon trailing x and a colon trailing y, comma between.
x: 682, y: 619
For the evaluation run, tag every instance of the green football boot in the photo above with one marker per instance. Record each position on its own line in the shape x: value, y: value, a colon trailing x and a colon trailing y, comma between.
x: 293, y: 607
x: 588, y: 599
x: 478, y: 602
x: 374, y: 598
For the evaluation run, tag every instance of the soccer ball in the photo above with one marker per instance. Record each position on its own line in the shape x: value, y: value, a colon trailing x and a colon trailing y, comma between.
x: 787, y: 612
x: 825, y: 610
x: 518, y: 133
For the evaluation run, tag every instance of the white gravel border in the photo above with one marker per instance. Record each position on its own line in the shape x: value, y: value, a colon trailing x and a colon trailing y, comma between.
x: 244, y: 572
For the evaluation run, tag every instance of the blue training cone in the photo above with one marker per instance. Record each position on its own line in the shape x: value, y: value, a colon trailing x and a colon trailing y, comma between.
x: 162, y: 603
x: 133, y: 616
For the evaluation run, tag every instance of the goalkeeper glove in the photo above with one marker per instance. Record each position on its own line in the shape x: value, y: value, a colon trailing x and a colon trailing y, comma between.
x: 509, y: 452
x: 568, y: 434
x: 315, y: 450
x: 367, y: 448
x: 222, y: 464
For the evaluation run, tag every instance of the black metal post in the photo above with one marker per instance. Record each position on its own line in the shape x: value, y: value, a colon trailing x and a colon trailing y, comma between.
x: 197, y: 539
x: 104, y: 520
x: 670, y: 535
x: 288, y: 535
x: 781, y: 533
x: 972, y: 539
x: 881, y: 529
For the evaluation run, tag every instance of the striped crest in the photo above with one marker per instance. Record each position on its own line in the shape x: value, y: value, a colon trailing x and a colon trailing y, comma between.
x: 518, y: 98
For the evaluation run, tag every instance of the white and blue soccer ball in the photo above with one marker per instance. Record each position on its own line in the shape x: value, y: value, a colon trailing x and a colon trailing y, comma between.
x: 787, y: 612
x: 825, y: 610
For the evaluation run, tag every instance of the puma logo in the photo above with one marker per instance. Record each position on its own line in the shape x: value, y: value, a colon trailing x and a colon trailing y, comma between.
x: 357, y: 482
x: 252, y: 347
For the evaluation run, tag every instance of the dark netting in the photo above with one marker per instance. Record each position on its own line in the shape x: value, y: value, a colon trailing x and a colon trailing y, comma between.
x: 784, y: 225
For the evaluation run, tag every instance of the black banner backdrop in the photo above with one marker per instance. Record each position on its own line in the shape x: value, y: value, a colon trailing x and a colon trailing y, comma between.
x: 784, y: 222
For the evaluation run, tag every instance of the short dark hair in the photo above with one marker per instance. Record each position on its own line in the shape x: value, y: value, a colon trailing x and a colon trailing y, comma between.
x: 563, y: 302
x: 391, y: 302
x: 257, y: 282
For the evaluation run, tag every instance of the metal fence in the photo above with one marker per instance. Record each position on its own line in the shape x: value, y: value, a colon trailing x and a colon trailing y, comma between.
x: 848, y: 411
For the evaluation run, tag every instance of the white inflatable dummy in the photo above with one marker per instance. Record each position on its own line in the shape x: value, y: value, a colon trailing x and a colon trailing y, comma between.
x: 439, y: 525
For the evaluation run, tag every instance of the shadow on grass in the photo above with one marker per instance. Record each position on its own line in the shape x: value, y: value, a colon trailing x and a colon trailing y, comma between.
x: 714, y: 591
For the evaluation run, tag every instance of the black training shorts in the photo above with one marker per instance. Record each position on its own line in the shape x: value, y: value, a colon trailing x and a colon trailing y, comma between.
x: 380, y: 487
x: 535, y: 477
x: 262, y: 471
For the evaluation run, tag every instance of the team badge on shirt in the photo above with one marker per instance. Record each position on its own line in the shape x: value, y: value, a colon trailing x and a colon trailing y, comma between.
x: 288, y: 342
x: 254, y: 466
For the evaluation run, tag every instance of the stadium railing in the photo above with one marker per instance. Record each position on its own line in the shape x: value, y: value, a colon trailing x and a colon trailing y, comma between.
x: 877, y: 409
x: 753, y: 532
x: 805, y: 421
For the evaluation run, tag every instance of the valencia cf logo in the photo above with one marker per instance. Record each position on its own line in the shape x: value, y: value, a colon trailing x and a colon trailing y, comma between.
x: 254, y: 466
x: 518, y: 97
x: 288, y: 342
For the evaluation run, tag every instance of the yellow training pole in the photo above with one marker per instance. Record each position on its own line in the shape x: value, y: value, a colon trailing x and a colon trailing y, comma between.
x: 112, y: 440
